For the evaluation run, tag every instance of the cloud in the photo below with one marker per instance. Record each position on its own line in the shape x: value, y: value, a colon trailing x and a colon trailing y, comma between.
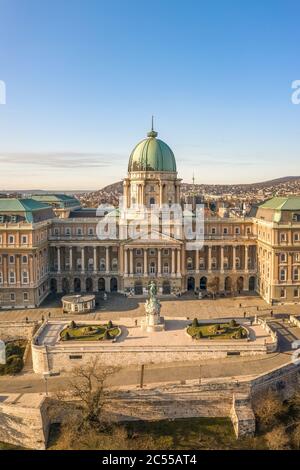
x: 58, y: 160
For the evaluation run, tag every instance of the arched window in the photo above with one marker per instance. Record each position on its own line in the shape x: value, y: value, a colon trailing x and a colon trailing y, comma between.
x: 152, y: 268
x: 152, y: 201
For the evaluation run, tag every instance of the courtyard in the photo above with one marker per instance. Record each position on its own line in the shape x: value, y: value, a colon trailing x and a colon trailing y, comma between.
x: 188, y: 306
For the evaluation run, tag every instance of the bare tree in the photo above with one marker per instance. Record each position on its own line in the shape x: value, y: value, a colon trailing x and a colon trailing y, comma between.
x: 267, y: 407
x: 277, y: 439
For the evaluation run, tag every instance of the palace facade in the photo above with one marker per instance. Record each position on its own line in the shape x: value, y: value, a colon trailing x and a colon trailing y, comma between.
x: 48, y: 243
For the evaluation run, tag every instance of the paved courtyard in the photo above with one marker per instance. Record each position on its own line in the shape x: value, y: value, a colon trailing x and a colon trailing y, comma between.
x: 188, y: 306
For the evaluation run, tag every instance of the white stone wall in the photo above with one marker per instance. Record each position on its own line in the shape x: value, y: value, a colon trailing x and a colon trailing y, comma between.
x: 24, y: 420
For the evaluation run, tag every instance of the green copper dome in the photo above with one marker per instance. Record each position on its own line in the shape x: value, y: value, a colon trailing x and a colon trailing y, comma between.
x: 152, y: 154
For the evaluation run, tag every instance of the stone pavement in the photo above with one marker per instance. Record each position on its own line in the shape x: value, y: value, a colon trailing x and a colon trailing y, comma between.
x: 118, y: 306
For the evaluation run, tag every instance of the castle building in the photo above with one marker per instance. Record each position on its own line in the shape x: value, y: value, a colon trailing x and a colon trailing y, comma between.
x: 50, y: 244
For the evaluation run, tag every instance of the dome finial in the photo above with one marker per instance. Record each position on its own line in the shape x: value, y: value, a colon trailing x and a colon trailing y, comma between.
x: 152, y: 133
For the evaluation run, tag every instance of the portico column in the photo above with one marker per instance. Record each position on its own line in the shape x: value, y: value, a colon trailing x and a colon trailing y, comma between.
x: 173, y: 262
x: 159, y: 261
x: 234, y: 258
x: 197, y: 261
x: 145, y: 262
x: 95, y: 259
x: 58, y: 259
x: 222, y: 259
x: 178, y: 263
x: 160, y: 193
x: 82, y: 260
x: 125, y: 262
x: 246, y: 258
x: 71, y: 258
x: 131, y: 262
x: 107, y: 262
x: 209, y: 258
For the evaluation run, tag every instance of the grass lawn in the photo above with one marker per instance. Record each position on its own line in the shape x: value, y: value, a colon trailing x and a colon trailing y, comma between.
x: 89, y: 332
x: 208, y: 330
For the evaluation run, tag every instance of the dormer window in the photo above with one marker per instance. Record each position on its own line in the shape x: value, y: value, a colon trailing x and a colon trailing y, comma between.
x: 296, y: 217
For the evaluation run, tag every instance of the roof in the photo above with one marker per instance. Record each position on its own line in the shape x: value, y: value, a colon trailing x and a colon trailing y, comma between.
x: 152, y: 154
x: 21, y: 205
x: 58, y: 200
x: 31, y: 210
x: 291, y: 203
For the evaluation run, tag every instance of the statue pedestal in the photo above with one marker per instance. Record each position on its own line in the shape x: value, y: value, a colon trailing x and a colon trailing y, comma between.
x: 153, y: 320
x: 150, y: 328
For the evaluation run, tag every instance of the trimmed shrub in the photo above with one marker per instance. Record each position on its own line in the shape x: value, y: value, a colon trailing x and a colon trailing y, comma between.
x: 195, y: 322
x: 110, y: 324
x: 13, y: 350
x: 14, y: 365
x: 73, y: 325
x: 67, y: 336
x: 106, y: 335
x: 232, y: 323
x: 199, y: 335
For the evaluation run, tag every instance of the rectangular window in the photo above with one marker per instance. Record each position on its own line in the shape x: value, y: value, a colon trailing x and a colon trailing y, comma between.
x: 225, y: 231
x: 296, y: 237
x: 296, y: 292
x: 67, y: 231
x: 12, y: 277
x: 79, y: 231
x: 24, y: 239
x: 283, y: 257
x: 11, y: 239
x: 283, y: 237
x: 296, y: 274
x: 75, y: 356
x: 282, y: 274
x: 213, y: 230
x: 25, y: 277
x: 1, y: 277
x: 11, y: 259
x: 25, y: 296
x: 24, y: 259
x: 12, y: 297
x: 91, y: 231
x: 237, y: 230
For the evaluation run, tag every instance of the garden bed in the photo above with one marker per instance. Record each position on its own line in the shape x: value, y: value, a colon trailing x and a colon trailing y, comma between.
x: 220, y: 331
x: 82, y: 332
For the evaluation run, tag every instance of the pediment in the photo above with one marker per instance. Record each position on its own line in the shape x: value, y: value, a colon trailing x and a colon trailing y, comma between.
x: 153, y: 237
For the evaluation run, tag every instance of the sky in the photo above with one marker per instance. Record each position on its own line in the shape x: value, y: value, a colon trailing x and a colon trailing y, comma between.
x: 84, y: 77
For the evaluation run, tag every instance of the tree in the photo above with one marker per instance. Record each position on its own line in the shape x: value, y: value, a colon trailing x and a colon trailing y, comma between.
x: 110, y: 324
x: 84, y: 404
x: 213, y: 286
x: 195, y: 323
x: 277, y: 439
x: 268, y: 408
